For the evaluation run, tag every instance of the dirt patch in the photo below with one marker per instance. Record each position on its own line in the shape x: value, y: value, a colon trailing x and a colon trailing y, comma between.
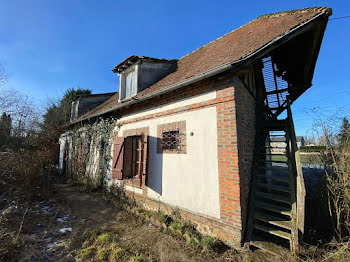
x: 63, y: 223
x: 67, y: 224
x: 140, y: 238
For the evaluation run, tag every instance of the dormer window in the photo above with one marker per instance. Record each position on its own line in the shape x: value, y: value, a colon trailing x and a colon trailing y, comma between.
x: 128, y: 84
x: 139, y: 72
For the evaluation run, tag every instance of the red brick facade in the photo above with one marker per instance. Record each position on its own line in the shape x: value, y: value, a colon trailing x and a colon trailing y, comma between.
x: 245, y: 112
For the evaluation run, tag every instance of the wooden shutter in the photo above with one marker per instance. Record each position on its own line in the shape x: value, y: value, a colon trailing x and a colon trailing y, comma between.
x: 141, y: 154
x: 118, y: 157
x: 146, y: 159
x: 128, y: 157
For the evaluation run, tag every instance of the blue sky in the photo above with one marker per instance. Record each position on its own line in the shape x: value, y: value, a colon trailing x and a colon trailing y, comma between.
x: 50, y: 46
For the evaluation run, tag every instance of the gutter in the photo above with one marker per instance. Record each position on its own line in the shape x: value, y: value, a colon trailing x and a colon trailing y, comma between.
x: 209, y: 73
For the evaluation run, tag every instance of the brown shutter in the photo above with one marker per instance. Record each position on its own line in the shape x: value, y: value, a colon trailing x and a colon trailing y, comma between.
x: 146, y: 159
x: 118, y: 156
x: 128, y: 158
x: 141, y: 153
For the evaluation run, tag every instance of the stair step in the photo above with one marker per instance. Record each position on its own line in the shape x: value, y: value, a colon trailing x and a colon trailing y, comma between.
x: 278, y: 169
x: 273, y: 197
x: 275, y: 187
x: 275, y: 122
x: 273, y: 231
x: 273, y: 125
x: 275, y: 147
x: 273, y: 208
x: 268, y: 247
x: 277, y: 178
x: 273, y: 220
x: 269, y: 154
x: 274, y: 161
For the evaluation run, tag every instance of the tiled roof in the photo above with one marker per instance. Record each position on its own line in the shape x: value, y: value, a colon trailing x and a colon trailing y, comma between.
x: 227, y: 49
x: 109, y: 104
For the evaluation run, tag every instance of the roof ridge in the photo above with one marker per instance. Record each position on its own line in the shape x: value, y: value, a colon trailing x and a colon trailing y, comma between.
x: 294, y: 11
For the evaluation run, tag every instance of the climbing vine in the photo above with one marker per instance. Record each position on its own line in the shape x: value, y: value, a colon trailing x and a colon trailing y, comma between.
x: 90, y: 153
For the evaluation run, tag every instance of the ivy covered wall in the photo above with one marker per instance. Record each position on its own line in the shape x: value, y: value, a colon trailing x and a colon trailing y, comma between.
x: 88, y: 153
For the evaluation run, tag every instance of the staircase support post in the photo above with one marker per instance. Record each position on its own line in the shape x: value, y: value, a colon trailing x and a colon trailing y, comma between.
x: 298, y: 186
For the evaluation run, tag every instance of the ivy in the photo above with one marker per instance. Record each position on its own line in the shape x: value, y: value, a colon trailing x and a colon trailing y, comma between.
x: 90, y: 153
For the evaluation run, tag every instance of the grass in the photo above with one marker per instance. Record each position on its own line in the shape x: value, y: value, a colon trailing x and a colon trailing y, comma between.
x: 101, y: 246
x: 104, y: 238
x: 207, y: 242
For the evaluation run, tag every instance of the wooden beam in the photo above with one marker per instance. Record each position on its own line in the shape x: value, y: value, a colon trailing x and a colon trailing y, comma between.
x: 277, y: 91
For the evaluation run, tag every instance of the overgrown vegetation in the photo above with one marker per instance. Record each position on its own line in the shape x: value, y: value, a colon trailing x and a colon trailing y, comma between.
x: 312, y: 148
x: 95, y: 245
x: 338, y: 181
x: 334, y: 236
x: 89, y: 162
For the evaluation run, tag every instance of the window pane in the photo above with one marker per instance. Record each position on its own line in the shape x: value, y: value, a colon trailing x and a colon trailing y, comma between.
x: 133, y: 83
x: 122, y: 88
x: 127, y: 86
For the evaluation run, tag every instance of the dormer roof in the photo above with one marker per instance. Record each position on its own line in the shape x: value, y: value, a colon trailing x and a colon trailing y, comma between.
x: 133, y: 59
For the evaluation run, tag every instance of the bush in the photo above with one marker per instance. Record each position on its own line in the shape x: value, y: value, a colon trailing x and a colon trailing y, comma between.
x: 312, y: 148
x: 338, y: 184
x: 337, y: 162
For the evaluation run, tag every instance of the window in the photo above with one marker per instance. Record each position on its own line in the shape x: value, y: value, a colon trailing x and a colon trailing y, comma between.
x: 128, y: 158
x: 171, y: 140
x: 128, y: 85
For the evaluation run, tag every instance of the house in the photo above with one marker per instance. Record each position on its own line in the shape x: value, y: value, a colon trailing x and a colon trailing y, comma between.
x: 85, y: 103
x: 300, y: 141
x: 193, y: 134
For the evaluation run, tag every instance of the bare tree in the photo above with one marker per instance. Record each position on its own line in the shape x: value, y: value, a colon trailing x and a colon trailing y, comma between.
x: 3, y: 75
x: 20, y: 107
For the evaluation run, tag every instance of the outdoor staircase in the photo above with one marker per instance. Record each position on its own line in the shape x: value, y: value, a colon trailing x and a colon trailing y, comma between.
x: 273, y: 218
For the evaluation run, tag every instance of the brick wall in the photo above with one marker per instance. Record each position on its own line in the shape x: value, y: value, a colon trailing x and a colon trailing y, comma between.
x: 230, y: 207
x: 245, y: 114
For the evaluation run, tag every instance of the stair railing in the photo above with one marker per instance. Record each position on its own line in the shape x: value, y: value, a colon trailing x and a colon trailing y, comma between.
x: 297, y: 183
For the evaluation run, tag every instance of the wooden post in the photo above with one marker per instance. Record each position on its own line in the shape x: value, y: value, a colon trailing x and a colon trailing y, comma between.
x: 298, y: 183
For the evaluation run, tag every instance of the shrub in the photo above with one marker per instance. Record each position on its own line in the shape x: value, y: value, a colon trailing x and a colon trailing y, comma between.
x: 312, y: 148
x: 337, y: 163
